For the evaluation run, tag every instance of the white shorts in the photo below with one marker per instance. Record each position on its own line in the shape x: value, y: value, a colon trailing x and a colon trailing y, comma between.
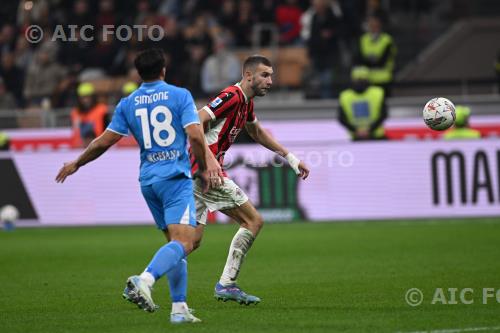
x: 227, y: 196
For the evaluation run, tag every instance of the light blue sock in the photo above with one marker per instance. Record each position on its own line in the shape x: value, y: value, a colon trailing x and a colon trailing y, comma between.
x: 167, y: 257
x: 177, y: 281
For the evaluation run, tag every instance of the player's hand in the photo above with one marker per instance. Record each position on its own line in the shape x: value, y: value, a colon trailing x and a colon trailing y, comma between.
x: 299, y: 167
x: 304, y: 170
x: 205, y: 180
x: 215, y: 174
x: 67, y: 170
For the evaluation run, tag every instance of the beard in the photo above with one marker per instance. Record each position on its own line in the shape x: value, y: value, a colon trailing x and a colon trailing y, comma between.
x: 259, y: 91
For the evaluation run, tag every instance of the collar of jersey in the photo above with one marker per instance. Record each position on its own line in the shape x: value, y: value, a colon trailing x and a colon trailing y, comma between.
x: 239, y: 87
x: 150, y: 84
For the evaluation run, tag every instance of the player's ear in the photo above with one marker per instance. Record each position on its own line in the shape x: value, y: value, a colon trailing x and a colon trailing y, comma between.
x: 247, y: 75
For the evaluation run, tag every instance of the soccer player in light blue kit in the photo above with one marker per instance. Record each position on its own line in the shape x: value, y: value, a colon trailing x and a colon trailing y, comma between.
x: 159, y: 116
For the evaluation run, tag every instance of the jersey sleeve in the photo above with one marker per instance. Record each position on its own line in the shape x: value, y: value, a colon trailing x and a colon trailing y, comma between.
x: 189, y: 113
x: 251, y: 117
x: 118, y: 123
x: 220, y: 106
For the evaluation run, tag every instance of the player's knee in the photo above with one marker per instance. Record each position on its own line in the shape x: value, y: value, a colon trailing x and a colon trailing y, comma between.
x: 196, y: 244
x: 188, y: 246
x: 259, y: 222
x: 256, y: 224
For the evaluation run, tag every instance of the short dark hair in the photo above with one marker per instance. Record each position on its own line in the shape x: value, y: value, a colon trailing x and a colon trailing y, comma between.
x: 253, y: 61
x: 149, y: 63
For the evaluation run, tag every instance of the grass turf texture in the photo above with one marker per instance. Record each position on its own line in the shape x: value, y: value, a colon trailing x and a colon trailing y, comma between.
x: 328, y: 277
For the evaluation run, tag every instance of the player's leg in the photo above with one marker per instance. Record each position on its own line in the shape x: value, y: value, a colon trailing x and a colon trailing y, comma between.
x: 165, y: 259
x: 232, y: 201
x: 131, y: 293
x: 178, y: 212
x: 177, y: 276
x: 180, y: 208
x: 250, y: 223
x: 201, y: 220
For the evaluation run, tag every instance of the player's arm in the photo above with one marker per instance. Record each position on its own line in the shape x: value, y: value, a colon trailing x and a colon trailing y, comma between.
x: 204, y: 116
x: 261, y: 136
x: 95, y: 149
x: 199, y: 149
x: 214, y: 169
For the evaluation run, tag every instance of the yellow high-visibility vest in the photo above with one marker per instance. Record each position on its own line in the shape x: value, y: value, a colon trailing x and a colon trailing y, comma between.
x: 374, y: 48
x: 361, y: 110
x: 462, y: 133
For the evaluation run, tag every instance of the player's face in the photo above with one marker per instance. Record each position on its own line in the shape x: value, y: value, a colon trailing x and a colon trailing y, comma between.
x: 262, y: 80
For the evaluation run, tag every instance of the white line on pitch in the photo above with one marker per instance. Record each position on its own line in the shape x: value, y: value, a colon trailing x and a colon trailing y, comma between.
x: 458, y: 330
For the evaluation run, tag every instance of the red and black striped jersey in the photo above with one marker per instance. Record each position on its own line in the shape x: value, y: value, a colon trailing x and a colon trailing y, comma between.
x: 230, y: 110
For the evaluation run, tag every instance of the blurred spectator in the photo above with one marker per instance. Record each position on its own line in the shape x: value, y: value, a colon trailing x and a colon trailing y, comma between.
x: 266, y: 14
x: 374, y: 8
x: 462, y: 128
x: 228, y: 15
x: 198, y: 33
x: 220, y: 69
x: 246, y: 20
x: 13, y: 77
x: 103, y: 55
x: 74, y: 53
x: 362, y: 107
x: 65, y: 93
x: 30, y: 12
x: 170, y: 8
x: 174, y: 46
x: 128, y: 88
x: 266, y: 11
x: 378, y: 52
x: 106, y: 14
x: 147, y: 14
x: 44, y: 75
x: 322, y: 45
x: 80, y: 14
x: 89, y: 119
x: 192, y: 69
x: 23, y: 53
x: 7, y: 100
x: 7, y: 38
x: 288, y: 16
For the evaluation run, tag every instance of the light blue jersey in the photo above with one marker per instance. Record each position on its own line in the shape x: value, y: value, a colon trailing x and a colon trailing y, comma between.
x: 156, y: 115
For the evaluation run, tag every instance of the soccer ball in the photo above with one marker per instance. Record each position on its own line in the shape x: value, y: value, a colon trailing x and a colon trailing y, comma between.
x: 439, y: 114
x: 9, y: 213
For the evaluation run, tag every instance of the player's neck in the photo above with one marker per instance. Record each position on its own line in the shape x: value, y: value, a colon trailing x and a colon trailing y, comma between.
x: 247, y: 90
x: 154, y: 80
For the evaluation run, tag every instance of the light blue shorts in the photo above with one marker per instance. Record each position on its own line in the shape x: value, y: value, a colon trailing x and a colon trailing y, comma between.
x: 171, y: 201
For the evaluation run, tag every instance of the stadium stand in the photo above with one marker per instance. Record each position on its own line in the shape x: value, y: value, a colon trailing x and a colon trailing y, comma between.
x: 424, y: 33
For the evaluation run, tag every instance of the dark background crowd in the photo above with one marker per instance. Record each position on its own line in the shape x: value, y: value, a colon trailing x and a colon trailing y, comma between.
x: 49, y: 72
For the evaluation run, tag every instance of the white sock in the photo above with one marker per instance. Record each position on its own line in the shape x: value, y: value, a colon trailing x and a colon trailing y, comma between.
x: 240, y: 245
x: 148, y: 278
x: 180, y: 307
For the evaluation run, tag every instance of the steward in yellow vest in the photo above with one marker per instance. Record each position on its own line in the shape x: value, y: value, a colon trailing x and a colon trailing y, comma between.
x: 378, y: 53
x: 4, y: 141
x: 462, y: 131
x: 362, y: 108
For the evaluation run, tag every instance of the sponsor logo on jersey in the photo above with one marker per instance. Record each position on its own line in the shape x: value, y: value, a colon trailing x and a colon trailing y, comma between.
x: 216, y: 102
x: 233, y: 134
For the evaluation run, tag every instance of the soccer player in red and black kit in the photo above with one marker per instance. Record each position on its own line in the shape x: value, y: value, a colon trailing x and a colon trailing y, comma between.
x: 223, y: 119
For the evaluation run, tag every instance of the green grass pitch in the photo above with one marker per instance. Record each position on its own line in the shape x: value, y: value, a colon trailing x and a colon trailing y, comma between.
x: 312, y: 277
